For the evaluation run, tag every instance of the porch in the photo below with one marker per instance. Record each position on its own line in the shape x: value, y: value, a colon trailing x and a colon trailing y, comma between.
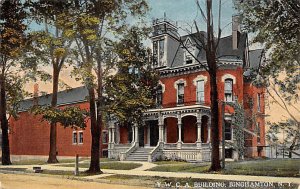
x: 175, y: 133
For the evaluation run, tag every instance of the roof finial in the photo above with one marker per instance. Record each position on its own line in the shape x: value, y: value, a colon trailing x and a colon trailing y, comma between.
x: 165, y: 16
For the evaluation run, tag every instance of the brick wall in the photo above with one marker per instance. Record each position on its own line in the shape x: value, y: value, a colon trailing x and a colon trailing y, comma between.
x: 29, y: 135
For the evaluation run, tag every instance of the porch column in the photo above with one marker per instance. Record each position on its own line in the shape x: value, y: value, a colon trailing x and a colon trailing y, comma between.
x: 113, y: 134
x: 133, y: 135
x: 136, y: 134
x: 179, y: 124
x: 160, y: 128
x: 109, y: 135
x: 198, y: 143
x: 208, y: 130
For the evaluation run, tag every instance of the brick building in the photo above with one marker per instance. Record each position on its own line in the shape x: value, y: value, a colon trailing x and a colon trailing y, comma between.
x: 29, y: 135
x: 179, y: 127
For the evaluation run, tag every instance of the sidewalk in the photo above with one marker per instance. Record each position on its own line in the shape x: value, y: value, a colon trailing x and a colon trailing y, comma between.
x: 140, y: 171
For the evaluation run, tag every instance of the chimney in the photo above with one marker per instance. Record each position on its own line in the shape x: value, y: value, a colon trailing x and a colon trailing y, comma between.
x: 35, y: 93
x: 236, y: 31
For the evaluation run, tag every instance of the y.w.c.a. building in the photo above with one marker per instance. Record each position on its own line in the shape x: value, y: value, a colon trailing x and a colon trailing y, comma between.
x: 179, y: 127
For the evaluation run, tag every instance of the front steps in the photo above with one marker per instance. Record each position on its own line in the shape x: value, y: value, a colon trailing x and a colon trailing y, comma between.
x: 140, y: 154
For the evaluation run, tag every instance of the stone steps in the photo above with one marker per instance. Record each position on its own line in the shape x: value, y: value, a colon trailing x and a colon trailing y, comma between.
x: 140, y: 154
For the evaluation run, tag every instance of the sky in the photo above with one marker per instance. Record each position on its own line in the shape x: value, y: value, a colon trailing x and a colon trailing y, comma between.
x: 184, y: 12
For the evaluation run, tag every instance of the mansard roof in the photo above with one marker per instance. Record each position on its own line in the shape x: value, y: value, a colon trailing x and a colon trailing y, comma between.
x: 225, y: 50
x: 70, y: 96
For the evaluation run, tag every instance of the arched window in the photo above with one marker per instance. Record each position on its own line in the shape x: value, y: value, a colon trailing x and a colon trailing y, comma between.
x: 228, y: 90
x: 159, y: 96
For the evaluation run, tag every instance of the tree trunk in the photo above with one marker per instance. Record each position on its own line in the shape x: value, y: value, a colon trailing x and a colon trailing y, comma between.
x: 214, y: 108
x: 215, y: 154
x: 52, y: 150
x: 4, y: 124
x: 95, y: 131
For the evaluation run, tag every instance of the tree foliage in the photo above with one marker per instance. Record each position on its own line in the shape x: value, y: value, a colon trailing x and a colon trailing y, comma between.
x: 130, y: 92
x: 12, y: 43
x: 276, y: 25
x: 71, y: 116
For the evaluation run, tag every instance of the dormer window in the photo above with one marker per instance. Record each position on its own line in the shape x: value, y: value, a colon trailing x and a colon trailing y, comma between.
x: 190, y: 51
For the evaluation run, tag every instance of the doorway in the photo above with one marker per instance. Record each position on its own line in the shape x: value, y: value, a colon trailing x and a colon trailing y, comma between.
x: 141, y: 136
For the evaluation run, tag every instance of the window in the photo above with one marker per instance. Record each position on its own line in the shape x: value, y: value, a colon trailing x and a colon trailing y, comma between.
x: 104, y: 137
x: 200, y: 91
x: 159, y: 95
x: 258, y: 132
x: 228, y: 133
x: 258, y: 102
x: 155, y: 53
x: 158, y: 52
x: 74, y: 137
x: 80, y: 137
x: 180, y: 93
x: 228, y: 90
x: 188, y: 58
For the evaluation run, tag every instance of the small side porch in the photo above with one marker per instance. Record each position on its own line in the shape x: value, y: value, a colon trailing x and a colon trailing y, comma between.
x: 181, y: 133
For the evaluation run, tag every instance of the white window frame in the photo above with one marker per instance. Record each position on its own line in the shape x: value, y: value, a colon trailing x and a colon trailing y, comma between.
x: 258, y: 133
x: 178, y: 93
x: 258, y: 102
x: 225, y: 91
x: 74, y: 138
x: 80, y: 133
x: 199, y: 99
x: 105, y: 132
x: 231, y: 130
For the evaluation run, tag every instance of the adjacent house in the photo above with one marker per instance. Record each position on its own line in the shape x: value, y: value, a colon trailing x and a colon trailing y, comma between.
x: 29, y: 135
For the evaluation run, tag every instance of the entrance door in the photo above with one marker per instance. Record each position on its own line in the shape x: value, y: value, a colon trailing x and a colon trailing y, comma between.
x: 154, y: 134
x: 141, y: 136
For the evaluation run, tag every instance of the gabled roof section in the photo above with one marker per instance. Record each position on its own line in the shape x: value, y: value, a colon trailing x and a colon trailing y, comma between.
x: 70, y: 96
x: 256, y: 58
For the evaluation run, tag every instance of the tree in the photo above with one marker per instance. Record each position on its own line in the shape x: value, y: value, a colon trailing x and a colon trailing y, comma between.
x: 51, y: 46
x: 92, y: 21
x: 276, y: 25
x: 130, y: 92
x: 12, y: 42
x: 209, y: 43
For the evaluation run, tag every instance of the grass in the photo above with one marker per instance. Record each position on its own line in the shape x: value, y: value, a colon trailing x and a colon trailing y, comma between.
x: 107, y: 165
x: 182, y: 167
x: 277, y: 167
x: 153, y: 182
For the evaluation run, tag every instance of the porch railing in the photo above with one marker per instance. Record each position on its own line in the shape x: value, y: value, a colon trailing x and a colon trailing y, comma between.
x: 123, y: 155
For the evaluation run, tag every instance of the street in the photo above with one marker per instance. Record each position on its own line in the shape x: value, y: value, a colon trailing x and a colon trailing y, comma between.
x: 16, y: 181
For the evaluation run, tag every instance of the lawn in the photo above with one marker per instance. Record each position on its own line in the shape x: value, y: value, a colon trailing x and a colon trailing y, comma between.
x: 181, y: 167
x: 107, y: 165
x: 42, y: 162
x: 277, y: 167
